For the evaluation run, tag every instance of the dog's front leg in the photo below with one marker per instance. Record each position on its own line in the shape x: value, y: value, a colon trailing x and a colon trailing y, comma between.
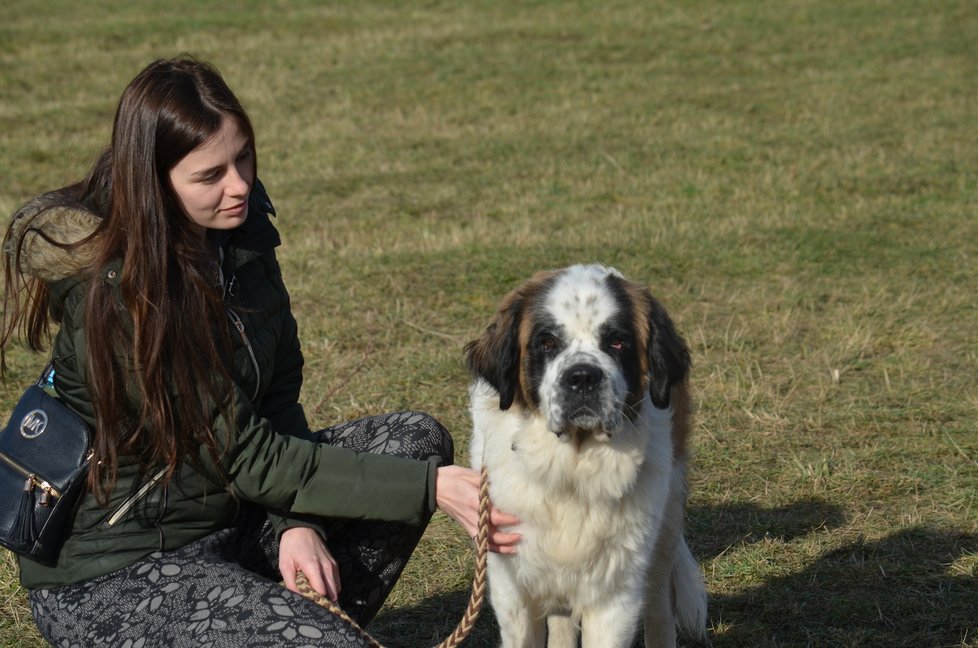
x: 612, y: 625
x: 562, y: 631
x: 521, y: 623
x: 520, y: 626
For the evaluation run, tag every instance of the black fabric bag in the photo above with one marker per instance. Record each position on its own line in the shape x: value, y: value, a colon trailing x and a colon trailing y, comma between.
x: 44, y: 453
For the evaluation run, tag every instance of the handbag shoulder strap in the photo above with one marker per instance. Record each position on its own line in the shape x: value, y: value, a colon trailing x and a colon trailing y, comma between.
x: 46, y: 379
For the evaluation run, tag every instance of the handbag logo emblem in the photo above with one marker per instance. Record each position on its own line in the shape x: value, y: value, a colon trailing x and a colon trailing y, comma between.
x: 34, y: 424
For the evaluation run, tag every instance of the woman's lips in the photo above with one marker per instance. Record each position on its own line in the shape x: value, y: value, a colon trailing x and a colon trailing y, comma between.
x: 234, y: 210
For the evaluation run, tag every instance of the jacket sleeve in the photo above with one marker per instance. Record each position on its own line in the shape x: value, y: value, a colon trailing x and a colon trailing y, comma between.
x: 280, y: 405
x: 294, y: 475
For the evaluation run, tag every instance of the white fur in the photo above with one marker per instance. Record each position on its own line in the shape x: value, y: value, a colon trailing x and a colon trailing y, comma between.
x: 592, y: 507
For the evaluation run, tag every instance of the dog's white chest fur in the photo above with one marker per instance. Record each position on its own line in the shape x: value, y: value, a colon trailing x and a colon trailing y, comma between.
x: 589, y: 513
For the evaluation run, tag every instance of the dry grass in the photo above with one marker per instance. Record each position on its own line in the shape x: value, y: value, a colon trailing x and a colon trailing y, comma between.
x: 795, y: 180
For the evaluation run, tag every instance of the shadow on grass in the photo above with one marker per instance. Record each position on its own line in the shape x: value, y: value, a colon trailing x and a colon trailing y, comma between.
x: 713, y: 529
x: 429, y: 623
x: 898, y: 591
x: 907, y: 589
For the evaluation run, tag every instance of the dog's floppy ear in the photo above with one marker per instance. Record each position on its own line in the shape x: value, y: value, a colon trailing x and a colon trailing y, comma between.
x: 495, y: 357
x: 669, y: 359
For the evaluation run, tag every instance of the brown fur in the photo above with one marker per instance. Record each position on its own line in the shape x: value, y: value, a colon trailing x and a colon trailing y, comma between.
x: 682, y: 414
x: 50, y: 244
x: 512, y: 315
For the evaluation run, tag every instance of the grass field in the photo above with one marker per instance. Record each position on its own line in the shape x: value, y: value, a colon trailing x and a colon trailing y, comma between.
x: 797, y: 181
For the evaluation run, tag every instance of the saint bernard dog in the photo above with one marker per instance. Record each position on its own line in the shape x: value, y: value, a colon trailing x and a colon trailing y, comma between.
x: 581, y: 409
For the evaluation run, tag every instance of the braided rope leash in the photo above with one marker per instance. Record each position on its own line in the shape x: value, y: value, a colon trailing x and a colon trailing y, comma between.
x: 476, y: 597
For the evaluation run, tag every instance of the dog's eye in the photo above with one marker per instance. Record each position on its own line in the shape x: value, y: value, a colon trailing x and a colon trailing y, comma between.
x: 548, y: 343
x: 618, y: 343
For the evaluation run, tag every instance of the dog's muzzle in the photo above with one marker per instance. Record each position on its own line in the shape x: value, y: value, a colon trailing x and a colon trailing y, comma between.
x: 584, y: 396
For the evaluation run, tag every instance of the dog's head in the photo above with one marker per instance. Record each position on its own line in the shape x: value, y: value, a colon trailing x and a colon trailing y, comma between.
x: 584, y: 347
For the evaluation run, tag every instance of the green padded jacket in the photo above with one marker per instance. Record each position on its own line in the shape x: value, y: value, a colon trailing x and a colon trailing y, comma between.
x: 267, y: 459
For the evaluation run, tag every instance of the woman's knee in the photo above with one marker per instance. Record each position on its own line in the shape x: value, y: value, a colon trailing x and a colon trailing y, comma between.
x: 423, y: 437
x: 410, y: 433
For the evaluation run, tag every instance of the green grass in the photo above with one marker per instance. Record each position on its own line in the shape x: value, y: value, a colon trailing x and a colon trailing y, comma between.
x: 795, y: 180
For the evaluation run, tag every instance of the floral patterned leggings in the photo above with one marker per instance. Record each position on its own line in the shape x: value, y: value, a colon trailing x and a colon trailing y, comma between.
x: 223, y: 591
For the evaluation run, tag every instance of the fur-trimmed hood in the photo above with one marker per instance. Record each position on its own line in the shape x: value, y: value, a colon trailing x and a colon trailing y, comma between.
x: 51, y: 241
x: 55, y: 238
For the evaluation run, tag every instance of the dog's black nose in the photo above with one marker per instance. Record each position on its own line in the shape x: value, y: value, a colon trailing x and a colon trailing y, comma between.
x: 583, y: 378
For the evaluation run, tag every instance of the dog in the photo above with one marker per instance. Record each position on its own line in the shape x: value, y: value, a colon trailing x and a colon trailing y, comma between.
x: 581, y: 410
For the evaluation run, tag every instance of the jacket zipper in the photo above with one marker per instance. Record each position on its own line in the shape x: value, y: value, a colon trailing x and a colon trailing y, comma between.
x: 133, y: 499
x: 32, y: 481
x: 238, y: 324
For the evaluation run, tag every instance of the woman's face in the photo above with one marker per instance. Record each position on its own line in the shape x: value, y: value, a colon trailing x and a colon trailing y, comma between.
x: 213, y: 181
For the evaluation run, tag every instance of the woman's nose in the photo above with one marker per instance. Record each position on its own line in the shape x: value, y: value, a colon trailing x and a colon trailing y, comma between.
x: 237, y: 183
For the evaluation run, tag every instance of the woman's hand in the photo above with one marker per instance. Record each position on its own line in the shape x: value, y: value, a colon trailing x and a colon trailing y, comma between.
x: 457, y: 493
x: 301, y: 549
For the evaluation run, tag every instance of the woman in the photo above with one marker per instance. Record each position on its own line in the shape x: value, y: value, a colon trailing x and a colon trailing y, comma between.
x: 177, y: 343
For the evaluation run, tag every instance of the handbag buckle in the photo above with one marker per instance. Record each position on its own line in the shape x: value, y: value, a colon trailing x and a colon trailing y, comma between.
x: 46, y: 492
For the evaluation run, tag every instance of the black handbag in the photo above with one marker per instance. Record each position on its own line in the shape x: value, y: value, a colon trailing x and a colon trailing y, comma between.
x: 44, y: 454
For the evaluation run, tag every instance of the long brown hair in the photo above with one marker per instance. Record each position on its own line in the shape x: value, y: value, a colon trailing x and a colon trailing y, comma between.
x: 156, y: 337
